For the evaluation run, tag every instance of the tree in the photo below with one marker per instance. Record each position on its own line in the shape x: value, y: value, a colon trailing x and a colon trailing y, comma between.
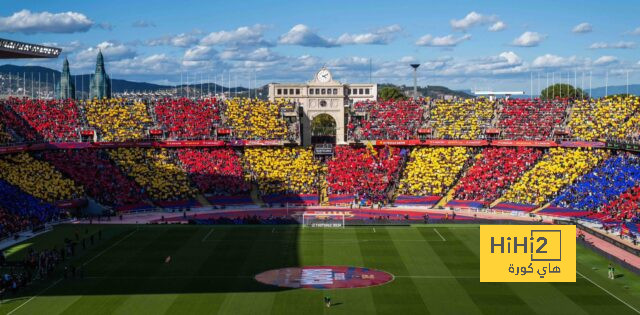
x: 390, y: 92
x: 562, y: 90
x: 323, y: 125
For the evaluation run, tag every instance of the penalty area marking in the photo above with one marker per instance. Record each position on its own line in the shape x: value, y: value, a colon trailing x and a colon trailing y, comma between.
x: 33, y: 297
x: 204, y: 239
x: 442, y: 237
x: 607, y: 291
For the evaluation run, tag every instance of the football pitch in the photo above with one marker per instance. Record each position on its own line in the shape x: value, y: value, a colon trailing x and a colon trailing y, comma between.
x: 435, y: 270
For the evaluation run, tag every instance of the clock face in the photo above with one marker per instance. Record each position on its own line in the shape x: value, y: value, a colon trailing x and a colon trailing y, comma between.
x: 323, y: 76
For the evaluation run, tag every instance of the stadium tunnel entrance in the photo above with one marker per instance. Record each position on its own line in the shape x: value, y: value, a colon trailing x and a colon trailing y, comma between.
x: 323, y: 130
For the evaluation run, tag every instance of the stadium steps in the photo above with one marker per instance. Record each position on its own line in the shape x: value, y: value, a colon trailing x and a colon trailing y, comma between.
x: 255, y: 195
x: 495, y: 203
x: 541, y: 208
x: 202, y: 200
x: 448, y: 197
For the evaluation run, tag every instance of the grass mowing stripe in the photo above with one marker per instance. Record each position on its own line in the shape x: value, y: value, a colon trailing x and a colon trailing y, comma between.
x: 608, y: 292
x: 108, y: 248
x: 399, y: 296
x: 33, y: 297
x: 491, y: 298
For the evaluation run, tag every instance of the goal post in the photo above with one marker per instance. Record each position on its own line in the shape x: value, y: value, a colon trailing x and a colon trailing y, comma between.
x: 323, y: 219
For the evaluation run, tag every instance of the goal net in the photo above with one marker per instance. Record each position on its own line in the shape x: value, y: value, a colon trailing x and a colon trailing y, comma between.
x: 323, y: 219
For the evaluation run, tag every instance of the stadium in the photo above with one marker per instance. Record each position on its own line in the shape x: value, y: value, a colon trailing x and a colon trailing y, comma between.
x: 313, y: 197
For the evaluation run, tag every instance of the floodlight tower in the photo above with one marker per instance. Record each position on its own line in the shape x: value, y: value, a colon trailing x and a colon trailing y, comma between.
x: 415, y: 79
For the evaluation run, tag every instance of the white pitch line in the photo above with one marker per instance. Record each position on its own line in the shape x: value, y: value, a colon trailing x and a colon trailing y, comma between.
x: 605, y: 290
x: 442, y: 237
x: 33, y: 297
x: 108, y: 248
x: 374, y: 230
x: 207, y: 236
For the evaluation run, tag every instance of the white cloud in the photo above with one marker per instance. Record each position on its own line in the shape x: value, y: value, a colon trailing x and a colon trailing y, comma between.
x: 242, y: 36
x: 105, y: 26
x: 302, y: 35
x: 582, y: 28
x: 159, y: 64
x: 528, y: 39
x: 199, y: 53
x: 66, y: 47
x: 28, y: 22
x: 381, y: 36
x: 618, y: 45
x: 444, y: 41
x: 474, y: 18
x: 636, y: 31
x: 260, y: 54
x: 605, y: 60
x: 180, y: 40
x: 554, y: 61
x: 112, y: 51
x: 498, y: 26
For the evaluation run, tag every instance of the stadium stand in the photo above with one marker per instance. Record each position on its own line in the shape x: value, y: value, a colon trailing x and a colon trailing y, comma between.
x: 524, y: 119
x: 557, y: 168
x: 188, y: 119
x: 214, y: 171
x: 38, y: 178
x: 390, y: 119
x: 101, y: 179
x: 604, y: 118
x: 20, y: 210
x: 282, y: 170
x: 493, y: 172
x: 154, y: 170
x: 118, y: 119
x: 432, y: 171
x: 5, y: 136
x: 624, y: 207
x: 607, y: 181
x: 462, y: 119
x: 366, y: 173
x: 254, y: 119
x: 13, y: 121
x: 53, y: 120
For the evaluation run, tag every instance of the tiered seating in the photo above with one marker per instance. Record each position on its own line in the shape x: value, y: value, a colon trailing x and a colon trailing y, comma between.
x: 282, y: 170
x: 52, y: 119
x: 256, y: 119
x: 187, y: 119
x: 613, y: 177
x: 5, y: 136
x: 19, y: 210
x: 432, y: 171
x: 603, y: 118
x: 38, y: 178
x: 13, y: 121
x: 117, y: 119
x: 365, y: 172
x: 626, y: 206
x: 556, y: 169
x: 152, y: 169
x: 386, y: 120
x: 217, y: 171
x: 525, y: 119
x: 494, y: 171
x: 102, y: 179
x: 462, y: 119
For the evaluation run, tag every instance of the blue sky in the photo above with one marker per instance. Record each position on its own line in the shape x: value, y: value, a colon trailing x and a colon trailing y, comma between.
x: 460, y: 44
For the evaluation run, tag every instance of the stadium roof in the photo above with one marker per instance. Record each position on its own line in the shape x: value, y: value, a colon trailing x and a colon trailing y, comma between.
x: 10, y: 49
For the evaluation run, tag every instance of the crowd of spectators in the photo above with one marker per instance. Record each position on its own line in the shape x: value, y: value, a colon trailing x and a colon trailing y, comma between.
x: 254, y: 119
x: 527, y: 119
x: 101, y: 179
x: 493, y: 172
x: 154, y: 170
x: 38, y: 178
x: 9, y: 119
x: 283, y: 170
x: 5, y: 136
x: 462, y: 119
x: 397, y: 120
x: 214, y: 171
x: 184, y: 118
x: 19, y: 210
x: 624, y: 207
x: 118, y: 119
x: 53, y: 120
x: 432, y: 171
x: 366, y: 173
x: 605, y: 182
x: 605, y: 118
x: 556, y: 169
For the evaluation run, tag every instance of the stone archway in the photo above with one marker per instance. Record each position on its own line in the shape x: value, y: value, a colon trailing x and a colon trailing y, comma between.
x: 323, y: 129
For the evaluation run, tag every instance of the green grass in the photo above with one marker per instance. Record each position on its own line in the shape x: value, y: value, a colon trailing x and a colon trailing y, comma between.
x: 125, y: 273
